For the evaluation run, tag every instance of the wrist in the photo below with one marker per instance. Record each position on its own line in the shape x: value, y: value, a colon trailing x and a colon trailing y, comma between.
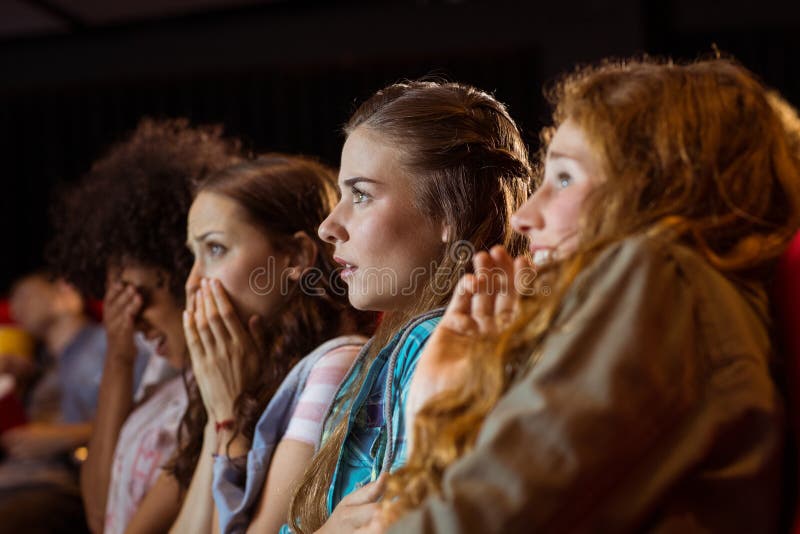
x: 118, y: 365
x: 224, y: 425
x: 121, y: 358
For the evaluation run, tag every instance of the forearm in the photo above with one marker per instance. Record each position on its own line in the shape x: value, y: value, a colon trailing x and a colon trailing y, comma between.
x: 196, y: 514
x: 75, y: 435
x: 116, y: 392
x: 286, y: 469
x: 158, y: 508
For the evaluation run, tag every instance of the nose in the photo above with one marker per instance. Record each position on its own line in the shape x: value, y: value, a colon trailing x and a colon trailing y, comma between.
x: 529, y: 216
x: 332, y: 229
x: 193, y: 281
x: 140, y: 323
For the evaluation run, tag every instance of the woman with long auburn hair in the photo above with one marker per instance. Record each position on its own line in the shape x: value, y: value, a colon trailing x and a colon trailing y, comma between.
x: 270, y: 335
x: 417, y: 157
x: 628, y: 386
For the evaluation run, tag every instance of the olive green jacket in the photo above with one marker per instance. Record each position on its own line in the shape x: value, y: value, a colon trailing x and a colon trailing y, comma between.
x: 651, y: 409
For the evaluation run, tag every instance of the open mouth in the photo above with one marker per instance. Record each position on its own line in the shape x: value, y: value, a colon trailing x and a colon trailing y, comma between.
x: 542, y: 255
x: 348, y: 269
x: 161, y: 345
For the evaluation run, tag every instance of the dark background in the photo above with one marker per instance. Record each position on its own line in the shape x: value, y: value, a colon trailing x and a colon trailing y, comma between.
x: 75, y: 75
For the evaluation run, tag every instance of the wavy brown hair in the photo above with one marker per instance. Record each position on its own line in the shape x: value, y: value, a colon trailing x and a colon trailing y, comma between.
x: 461, y: 145
x: 280, y: 195
x: 701, y: 153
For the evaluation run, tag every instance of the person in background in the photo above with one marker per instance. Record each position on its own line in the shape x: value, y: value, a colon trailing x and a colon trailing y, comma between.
x: 38, y: 477
x: 132, y: 252
x: 17, y: 369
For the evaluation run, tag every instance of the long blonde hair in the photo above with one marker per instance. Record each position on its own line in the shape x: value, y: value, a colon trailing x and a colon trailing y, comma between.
x: 461, y: 145
x: 701, y: 149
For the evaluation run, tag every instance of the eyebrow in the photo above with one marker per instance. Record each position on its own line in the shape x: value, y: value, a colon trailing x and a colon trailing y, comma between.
x: 202, y: 237
x: 356, y: 179
x: 559, y: 155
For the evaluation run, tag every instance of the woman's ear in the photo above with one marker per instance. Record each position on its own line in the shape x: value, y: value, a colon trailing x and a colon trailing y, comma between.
x: 303, y: 255
x: 446, y: 230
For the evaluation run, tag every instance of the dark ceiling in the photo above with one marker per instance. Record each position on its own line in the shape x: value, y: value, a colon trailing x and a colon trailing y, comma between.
x: 76, y: 75
x: 26, y: 18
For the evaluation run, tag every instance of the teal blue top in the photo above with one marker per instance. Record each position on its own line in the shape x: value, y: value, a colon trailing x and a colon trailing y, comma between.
x: 376, y: 421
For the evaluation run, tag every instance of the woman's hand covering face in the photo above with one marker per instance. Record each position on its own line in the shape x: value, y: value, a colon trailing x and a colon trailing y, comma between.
x: 223, y: 350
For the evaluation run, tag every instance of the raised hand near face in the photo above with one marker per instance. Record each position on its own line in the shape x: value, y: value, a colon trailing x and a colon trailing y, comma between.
x: 222, y: 349
x: 121, y: 304
x: 483, y: 305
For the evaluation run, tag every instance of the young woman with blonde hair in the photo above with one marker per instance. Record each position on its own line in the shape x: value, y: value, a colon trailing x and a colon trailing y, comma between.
x: 429, y: 171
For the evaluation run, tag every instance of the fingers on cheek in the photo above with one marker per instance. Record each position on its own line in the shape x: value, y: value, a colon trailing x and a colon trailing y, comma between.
x: 199, y: 322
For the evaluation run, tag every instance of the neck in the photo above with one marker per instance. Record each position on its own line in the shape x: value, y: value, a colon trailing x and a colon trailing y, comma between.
x: 62, y: 331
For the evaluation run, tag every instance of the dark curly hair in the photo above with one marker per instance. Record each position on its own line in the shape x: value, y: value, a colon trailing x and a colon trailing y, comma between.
x: 280, y: 195
x: 133, y: 204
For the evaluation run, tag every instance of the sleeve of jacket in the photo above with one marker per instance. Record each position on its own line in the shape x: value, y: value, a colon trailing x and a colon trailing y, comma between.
x: 616, y: 374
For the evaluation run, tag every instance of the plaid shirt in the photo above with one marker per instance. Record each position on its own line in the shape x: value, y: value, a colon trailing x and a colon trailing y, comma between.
x: 364, y: 453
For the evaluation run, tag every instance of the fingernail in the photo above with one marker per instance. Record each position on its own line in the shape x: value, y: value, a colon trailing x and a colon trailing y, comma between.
x: 204, y: 282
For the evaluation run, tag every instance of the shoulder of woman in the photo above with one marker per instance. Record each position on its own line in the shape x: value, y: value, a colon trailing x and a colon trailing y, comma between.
x: 657, y: 271
x: 646, y: 258
x: 340, y: 354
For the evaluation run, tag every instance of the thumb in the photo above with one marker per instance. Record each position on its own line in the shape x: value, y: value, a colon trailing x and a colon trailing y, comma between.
x: 369, y: 493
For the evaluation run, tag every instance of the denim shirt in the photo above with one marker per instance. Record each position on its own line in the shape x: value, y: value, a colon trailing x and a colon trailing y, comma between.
x: 236, y: 493
x: 80, y: 368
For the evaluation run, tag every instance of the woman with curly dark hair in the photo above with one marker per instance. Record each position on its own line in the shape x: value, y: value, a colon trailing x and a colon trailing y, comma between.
x: 263, y: 298
x: 121, y: 233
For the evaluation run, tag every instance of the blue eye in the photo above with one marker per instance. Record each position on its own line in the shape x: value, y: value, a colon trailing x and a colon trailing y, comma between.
x: 358, y: 195
x: 215, y: 249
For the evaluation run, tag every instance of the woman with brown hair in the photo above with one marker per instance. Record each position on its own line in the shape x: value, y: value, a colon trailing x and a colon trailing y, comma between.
x: 262, y: 306
x: 417, y: 159
x: 120, y: 234
x: 630, y: 387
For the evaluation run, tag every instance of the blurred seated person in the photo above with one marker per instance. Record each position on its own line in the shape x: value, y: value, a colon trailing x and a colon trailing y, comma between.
x: 17, y: 369
x: 38, y: 472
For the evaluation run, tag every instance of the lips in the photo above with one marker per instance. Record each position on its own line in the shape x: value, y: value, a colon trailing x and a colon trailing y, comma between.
x: 161, y: 348
x: 348, y: 269
x: 159, y: 343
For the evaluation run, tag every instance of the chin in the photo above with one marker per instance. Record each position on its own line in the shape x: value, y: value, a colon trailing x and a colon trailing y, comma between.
x: 361, y: 301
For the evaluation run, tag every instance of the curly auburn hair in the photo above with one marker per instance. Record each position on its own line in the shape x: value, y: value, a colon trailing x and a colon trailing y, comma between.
x: 131, y: 206
x: 678, y: 162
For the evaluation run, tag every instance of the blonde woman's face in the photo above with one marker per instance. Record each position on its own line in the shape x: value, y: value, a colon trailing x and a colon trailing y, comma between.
x: 383, y: 242
x: 550, y: 216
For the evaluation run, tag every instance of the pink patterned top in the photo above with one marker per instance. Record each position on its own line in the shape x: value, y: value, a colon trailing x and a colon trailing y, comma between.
x: 322, y: 383
x: 146, y: 442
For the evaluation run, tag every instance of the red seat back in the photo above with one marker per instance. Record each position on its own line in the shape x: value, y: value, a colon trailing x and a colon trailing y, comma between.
x: 787, y: 302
